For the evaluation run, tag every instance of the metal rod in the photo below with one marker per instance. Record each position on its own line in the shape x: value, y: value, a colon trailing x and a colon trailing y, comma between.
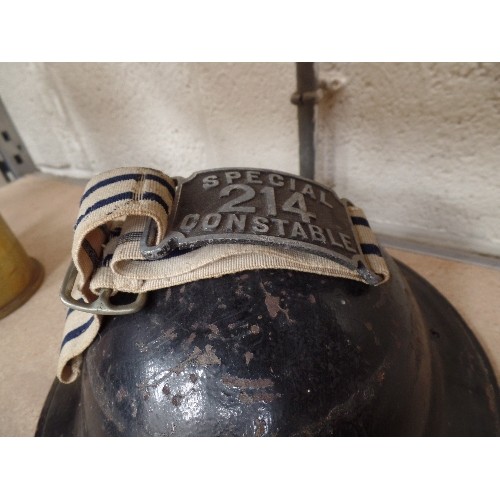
x: 306, y: 83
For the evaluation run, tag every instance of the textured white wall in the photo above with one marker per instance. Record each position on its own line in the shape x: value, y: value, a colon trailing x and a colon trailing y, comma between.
x: 416, y: 145
x: 85, y: 118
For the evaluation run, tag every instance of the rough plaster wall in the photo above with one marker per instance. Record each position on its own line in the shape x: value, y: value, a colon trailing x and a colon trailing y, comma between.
x: 177, y: 117
x: 416, y: 145
x: 31, y: 99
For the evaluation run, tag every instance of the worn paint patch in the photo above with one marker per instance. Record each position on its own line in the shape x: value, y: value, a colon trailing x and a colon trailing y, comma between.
x: 257, y: 397
x: 240, y: 292
x: 121, y: 394
x: 203, y: 358
x: 187, y: 342
x: 170, y: 333
x: 247, y: 383
x: 273, y: 305
x: 206, y: 358
x: 214, y: 329
x: 260, y: 427
x: 133, y: 407
x: 248, y: 357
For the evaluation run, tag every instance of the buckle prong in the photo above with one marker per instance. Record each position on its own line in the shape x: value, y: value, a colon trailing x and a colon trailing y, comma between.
x: 102, y: 304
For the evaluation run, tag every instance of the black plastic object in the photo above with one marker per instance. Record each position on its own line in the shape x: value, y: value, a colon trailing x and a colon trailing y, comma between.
x: 280, y: 353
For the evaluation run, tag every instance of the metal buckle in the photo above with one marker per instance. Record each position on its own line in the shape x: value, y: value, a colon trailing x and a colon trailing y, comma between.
x: 101, y: 305
x: 263, y: 207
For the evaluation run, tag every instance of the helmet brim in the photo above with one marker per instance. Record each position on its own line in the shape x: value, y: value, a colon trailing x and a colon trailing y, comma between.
x: 465, y: 396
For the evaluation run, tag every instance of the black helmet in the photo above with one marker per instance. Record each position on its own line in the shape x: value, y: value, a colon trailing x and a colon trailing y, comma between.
x: 271, y: 352
x: 282, y: 353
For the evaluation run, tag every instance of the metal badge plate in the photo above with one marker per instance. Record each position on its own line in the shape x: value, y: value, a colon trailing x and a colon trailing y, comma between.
x: 261, y: 207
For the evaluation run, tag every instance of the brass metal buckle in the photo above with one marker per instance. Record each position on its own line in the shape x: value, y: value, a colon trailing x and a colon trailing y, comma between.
x: 102, y: 304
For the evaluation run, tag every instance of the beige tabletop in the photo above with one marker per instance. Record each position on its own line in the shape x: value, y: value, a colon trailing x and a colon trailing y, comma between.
x: 41, y: 210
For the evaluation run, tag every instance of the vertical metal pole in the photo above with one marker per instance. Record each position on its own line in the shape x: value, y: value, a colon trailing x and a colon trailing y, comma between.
x: 306, y: 86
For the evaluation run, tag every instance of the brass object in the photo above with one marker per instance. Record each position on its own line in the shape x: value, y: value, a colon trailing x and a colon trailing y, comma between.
x: 20, y: 275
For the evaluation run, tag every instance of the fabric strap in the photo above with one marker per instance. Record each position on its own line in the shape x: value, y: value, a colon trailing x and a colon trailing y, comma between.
x: 114, y: 211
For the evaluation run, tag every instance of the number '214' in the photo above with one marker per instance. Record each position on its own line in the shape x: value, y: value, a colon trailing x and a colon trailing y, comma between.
x: 296, y: 203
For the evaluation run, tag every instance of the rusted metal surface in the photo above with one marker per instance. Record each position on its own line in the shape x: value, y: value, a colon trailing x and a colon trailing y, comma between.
x: 280, y: 353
